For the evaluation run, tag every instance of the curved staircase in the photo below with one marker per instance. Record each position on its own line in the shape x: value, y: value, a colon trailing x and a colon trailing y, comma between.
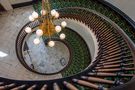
x: 112, y: 69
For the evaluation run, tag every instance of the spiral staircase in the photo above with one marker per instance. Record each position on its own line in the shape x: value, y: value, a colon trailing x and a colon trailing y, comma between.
x: 112, y: 68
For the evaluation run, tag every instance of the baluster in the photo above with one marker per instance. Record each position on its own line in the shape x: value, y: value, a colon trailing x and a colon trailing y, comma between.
x: 70, y: 86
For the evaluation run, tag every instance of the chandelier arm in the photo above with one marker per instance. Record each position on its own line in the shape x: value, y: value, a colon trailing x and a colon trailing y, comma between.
x: 43, y: 1
x: 57, y: 34
x: 48, y: 27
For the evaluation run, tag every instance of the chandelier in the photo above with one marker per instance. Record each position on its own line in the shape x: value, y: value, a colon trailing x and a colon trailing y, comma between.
x: 47, y: 26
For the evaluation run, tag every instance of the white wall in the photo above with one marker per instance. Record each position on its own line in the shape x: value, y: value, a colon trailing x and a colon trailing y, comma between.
x: 127, y: 6
x: 18, y: 1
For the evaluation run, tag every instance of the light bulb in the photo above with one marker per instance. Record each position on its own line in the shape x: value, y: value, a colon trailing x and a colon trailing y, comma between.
x: 39, y: 32
x: 53, y: 12
x: 62, y: 36
x: 51, y: 43
x: 43, y: 12
x: 58, y: 29
x: 28, y: 30
x: 63, y: 24
x: 36, y: 41
x: 35, y: 15
x: 31, y: 18
x: 57, y: 15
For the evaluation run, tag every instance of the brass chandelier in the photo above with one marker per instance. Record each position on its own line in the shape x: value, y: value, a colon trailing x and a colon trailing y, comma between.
x: 47, y: 26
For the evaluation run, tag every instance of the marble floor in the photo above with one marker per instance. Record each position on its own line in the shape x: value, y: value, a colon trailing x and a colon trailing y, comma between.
x: 45, y: 59
x: 10, y: 24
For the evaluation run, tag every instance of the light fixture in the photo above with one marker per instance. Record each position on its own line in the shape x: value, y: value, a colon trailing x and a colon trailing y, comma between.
x: 63, y: 24
x: 47, y: 27
x: 43, y: 12
x: 39, y: 32
x: 35, y: 15
x: 36, y: 41
x: 28, y: 30
x: 62, y: 36
x: 51, y: 43
x: 31, y: 18
x: 58, y: 28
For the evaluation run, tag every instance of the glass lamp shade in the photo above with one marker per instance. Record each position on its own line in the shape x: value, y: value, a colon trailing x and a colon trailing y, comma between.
x: 58, y: 29
x: 53, y: 12
x: 62, y: 36
x: 43, y: 12
x: 63, y: 24
x: 39, y: 32
x: 31, y: 18
x: 28, y: 30
x: 51, y: 43
x: 36, y: 41
x: 57, y: 15
x: 35, y: 15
